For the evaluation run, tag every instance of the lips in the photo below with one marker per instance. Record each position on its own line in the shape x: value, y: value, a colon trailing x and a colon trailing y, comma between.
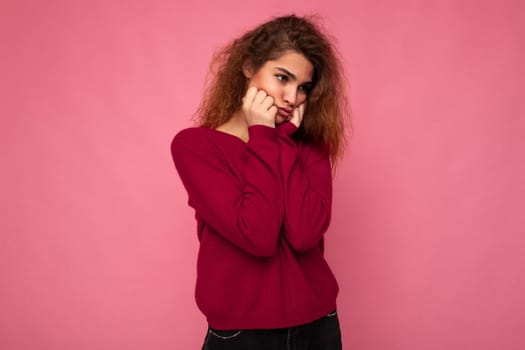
x: 286, y: 113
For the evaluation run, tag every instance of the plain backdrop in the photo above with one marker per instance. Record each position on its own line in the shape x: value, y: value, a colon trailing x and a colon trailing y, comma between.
x: 98, y: 246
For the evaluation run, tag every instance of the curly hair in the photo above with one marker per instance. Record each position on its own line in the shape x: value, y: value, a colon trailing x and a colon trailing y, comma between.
x: 327, y: 112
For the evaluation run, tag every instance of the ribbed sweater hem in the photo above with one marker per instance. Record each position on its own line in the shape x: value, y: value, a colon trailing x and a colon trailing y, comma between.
x: 271, y: 321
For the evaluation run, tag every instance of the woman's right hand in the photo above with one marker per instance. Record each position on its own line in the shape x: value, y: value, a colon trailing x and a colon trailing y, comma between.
x: 258, y: 108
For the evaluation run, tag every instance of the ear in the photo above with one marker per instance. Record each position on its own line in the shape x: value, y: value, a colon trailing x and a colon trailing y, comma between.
x: 247, y: 69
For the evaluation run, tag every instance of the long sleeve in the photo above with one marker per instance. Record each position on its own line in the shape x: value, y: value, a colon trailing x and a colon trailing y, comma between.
x: 246, y: 209
x: 307, y: 182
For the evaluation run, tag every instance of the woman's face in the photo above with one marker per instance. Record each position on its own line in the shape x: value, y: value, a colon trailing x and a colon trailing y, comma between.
x: 288, y: 79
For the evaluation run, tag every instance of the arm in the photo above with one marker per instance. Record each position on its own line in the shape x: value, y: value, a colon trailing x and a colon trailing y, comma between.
x: 308, y: 190
x: 246, y: 209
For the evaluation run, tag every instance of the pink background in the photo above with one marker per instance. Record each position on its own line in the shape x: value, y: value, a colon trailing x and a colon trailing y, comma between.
x: 98, y: 247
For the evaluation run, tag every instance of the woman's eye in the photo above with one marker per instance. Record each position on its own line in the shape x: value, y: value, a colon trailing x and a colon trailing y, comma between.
x: 282, y: 77
x: 305, y: 89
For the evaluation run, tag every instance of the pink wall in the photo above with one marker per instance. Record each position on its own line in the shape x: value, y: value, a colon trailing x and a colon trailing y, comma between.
x: 98, y: 248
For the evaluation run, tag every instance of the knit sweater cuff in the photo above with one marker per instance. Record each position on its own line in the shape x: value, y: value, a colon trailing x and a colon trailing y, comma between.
x: 286, y: 129
x: 262, y: 132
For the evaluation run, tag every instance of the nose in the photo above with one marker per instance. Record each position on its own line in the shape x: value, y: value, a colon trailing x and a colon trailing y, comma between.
x: 290, y: 96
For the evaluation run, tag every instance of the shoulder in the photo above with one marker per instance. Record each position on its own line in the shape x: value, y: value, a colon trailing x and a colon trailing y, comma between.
x: 203, y: 142
x: 312, y: 149
x: 194, y: 140
x: 201, y: 149
x: 312, y: 153
x: 194, y: 137
x: 193, y: 134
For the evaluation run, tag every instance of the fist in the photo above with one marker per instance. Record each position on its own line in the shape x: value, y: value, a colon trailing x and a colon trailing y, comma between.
x: 258, y: 108
x: 297, y: 115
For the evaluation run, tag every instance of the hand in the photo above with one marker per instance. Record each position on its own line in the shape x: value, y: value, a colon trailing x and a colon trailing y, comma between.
x: 297, y: 115
x: 258, y: 108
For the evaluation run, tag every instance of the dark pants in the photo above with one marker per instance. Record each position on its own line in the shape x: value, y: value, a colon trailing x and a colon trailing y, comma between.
x: 321, y: 334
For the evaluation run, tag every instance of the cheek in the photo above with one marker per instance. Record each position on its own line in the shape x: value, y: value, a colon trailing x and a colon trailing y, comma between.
x: 301, y: 99
x: 270, y: 86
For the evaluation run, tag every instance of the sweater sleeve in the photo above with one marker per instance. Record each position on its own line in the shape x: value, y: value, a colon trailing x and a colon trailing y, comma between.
x: 308, y: 191
x: 246, y: 209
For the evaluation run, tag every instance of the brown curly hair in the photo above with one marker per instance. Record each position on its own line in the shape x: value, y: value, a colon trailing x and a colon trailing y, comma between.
x: 326, y: 114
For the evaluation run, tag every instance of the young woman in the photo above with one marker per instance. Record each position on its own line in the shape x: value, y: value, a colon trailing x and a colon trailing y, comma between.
x: 258, y: 172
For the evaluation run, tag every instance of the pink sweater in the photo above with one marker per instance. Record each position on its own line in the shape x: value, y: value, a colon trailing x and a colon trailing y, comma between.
x: 262, y: 208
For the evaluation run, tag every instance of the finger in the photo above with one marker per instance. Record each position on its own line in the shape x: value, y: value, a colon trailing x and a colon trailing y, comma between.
x: 301, y: 111
x: 302, y: 107
x: 259, y: 97
x: 295, y: 118
x: 251, y: 92
x: 272, y: 111
x: 297, y: 115
x: 267, y: 102
x: 249, y: 96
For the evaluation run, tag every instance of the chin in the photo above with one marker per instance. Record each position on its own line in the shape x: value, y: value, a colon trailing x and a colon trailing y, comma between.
x: 279, y: 120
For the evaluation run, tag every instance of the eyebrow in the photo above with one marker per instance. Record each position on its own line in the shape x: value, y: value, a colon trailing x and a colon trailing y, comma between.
x: 290, y: 74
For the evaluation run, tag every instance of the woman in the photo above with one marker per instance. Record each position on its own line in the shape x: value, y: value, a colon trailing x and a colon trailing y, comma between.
x: 258, y: 172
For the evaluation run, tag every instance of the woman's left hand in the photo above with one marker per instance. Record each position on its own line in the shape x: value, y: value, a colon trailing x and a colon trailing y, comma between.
x: 297, y: 115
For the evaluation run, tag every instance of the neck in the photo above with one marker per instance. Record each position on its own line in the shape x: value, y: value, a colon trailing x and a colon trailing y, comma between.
x: 236, y: 126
